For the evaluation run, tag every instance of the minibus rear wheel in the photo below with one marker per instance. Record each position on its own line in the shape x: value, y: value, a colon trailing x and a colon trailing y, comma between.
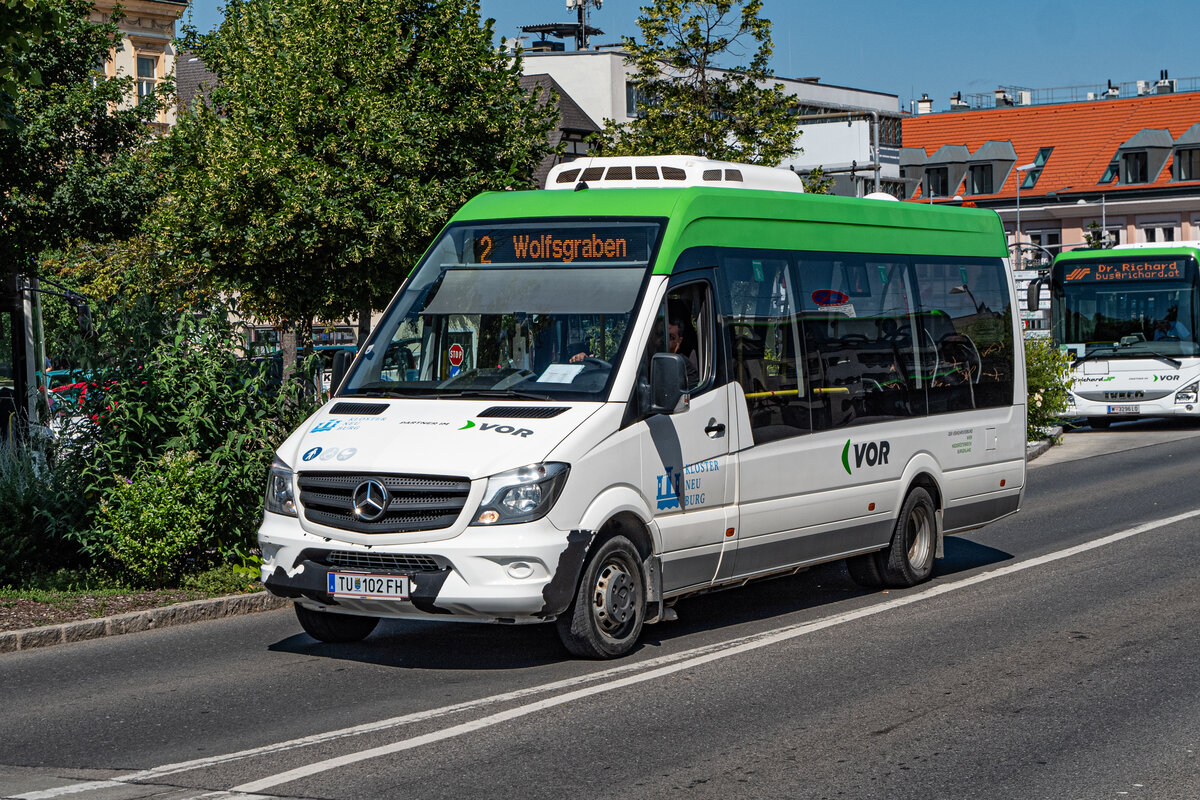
x: 908, y: 560
x: 334, y: 628
x: 605, y: 619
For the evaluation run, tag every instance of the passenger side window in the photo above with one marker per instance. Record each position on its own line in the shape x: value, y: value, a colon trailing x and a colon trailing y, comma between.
x: 966, y: 312
x: 765, y: 351
x: 865, y: 360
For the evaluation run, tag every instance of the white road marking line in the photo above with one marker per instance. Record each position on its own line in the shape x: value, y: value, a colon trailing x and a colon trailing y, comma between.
x: 651, y: 669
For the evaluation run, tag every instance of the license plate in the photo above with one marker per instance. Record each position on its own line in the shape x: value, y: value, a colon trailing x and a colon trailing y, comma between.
x: 393, y: 587
x: 1122, y: 409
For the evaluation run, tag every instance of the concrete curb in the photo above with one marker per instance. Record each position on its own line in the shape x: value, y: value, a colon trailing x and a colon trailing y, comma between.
x: 1035, y: 449
x: 165, y: 617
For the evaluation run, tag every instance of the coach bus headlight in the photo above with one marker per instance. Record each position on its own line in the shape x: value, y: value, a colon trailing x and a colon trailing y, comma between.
x: 521, y: 495
x: 280, y: 498
x: 1188, y: 393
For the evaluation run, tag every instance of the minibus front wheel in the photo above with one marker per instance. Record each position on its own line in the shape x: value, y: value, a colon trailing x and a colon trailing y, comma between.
x: 605, y: 619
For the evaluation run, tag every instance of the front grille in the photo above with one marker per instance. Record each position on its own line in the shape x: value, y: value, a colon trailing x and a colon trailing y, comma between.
x: 416, y: 502
x: 389, y: 561
x: 522, y: 412
x: 1135, y: 396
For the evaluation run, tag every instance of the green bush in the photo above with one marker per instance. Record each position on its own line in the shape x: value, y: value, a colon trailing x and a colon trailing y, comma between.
x: 27, y: 496
x: 163, y: 381
x: 1048, y: 380
x: 155, y: 524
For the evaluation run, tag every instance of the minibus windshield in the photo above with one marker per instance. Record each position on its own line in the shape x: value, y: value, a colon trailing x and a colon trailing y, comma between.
x: 534, y: 310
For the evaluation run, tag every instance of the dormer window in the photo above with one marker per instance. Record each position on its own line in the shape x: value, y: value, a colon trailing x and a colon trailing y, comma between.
x: 1144, y: 155
x: 937, y: 182
x: 1187, y: 155
x: 1136, y: 167
x: 981, y: 179
x: 1187, y: 164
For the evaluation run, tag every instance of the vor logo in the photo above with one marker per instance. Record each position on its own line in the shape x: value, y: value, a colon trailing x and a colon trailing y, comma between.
x: 491, y: 426
x: 871, y: 454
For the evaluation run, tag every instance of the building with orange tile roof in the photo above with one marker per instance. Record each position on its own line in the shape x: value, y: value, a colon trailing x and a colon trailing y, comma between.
x: 1130, y: 166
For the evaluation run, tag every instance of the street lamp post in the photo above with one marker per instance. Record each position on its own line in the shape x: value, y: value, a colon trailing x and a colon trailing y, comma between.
x: 1020, y: 177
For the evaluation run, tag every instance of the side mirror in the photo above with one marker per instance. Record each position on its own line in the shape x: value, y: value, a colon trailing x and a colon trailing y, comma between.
x: 668, y: 384
x: 341, y: 363
x: 1033, y: 295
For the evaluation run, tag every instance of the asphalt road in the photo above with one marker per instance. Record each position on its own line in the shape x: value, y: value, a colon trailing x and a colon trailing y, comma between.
x: 1054, y: 655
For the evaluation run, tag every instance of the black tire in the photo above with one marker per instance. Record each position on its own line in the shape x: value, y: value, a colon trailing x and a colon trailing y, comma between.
x: 335, y: 628
x: 908, y: 560
x: 864, y: 570
x: 1098, y: 423
x: 605, y: 619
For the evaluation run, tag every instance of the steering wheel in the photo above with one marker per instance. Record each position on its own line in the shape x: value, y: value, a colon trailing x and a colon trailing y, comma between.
x: 595, y: 363
x: 854, y: 339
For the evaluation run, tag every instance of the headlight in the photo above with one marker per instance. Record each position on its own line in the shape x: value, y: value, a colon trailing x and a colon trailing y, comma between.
x: 280, y: 497
x: 1188, y: 393
x: 521, y: 495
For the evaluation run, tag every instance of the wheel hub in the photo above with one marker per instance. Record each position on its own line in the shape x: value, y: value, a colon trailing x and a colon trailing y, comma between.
x: 614, y: 597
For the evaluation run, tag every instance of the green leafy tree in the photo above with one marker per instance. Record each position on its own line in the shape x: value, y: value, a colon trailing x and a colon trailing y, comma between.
x: 340, y: 139
x: 75, y: 164
x: 687, y: 103
x: 23, y: 25
x: 816, y: 182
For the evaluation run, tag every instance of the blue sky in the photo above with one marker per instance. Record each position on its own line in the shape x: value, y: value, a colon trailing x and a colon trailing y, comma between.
x: 934, y: 46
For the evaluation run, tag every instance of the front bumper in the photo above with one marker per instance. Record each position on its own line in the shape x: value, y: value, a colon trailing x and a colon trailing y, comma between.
x: 510, y: 573
x: 1165, y: 407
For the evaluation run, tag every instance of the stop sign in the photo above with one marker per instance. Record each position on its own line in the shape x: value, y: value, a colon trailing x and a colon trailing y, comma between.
x: 456, y: 355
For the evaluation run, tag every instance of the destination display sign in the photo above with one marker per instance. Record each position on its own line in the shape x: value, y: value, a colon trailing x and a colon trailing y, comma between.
x: 564, y: 245
x: 1134, y: 269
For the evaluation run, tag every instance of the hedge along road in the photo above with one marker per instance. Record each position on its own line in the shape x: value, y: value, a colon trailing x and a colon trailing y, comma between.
x: 802, y: 682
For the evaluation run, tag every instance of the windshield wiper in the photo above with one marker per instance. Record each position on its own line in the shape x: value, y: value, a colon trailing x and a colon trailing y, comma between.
x: 1114, y: 353
x: 499, y: 393
x: 1174, y: 362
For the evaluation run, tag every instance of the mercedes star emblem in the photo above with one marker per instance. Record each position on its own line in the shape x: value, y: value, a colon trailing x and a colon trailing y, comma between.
x: 370, y: 500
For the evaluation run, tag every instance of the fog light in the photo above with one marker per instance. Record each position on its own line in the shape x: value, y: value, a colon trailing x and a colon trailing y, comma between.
x: 519, y: 570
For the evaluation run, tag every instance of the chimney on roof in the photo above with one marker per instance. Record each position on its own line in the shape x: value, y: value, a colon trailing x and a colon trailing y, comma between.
x: 925, y: 105
x: 957, y: 103
x: 1112, y: 91
x: 1003, y: 98
x: 1165, y: 85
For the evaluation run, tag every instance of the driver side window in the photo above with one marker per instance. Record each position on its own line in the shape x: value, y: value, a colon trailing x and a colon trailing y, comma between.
x: 685, y: 326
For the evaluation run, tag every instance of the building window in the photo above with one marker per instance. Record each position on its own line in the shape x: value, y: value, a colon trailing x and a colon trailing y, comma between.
x: 1110, y: 174
x: 1137, y: 167
x: 147, y: 76
x: 1159, y: 232
x: 981, y: 179
x: 1039, y: 161
x: 1188, y: 162
x: 937, y: 182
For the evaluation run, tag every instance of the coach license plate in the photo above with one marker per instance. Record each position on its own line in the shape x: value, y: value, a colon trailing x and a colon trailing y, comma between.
x: 1122, y: 409
x: 387, y: 587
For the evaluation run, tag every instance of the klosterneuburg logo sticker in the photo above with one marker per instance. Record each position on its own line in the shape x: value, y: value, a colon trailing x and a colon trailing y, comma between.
x: 871, y: 454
